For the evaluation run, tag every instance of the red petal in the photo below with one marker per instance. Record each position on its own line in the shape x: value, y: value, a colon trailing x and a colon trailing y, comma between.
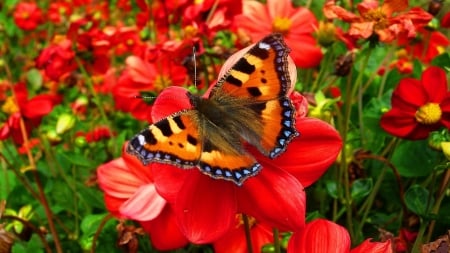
x: 434, y: 82
x: 373, y: 247
x: 169, y: 179
x: 205, y: 208
x: 164, y: 231
x: 409, y: 95
x: 234, y: 241
x: 39, y: 106
x: 274, y: 197
x: 320, y: 236
x: 445, y: 22
x: 145, y: 204
x: 171, y: 100
x: 310, y: 154
x: 402, y: 124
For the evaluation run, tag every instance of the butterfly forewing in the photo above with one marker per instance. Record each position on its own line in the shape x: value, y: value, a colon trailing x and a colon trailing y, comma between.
x: 173, y: 140
x: 261, y: 77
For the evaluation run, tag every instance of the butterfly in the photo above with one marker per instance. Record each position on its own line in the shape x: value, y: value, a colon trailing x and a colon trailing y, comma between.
x: 249, y: 104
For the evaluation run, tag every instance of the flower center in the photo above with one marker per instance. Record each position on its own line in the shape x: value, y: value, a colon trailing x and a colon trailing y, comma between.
x: 377, y: 16
x: 161, y: 82
x: 240, y: 218
x: 10, y: 107
x: 281, y: 25
x: 429, y: 114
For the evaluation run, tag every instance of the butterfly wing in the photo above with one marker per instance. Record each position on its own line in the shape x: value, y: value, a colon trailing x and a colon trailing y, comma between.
x: 174, y: 140
x: 186, y: 139
x: 261, y: 79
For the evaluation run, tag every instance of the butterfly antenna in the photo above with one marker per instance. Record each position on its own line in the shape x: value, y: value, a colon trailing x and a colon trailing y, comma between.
x: 195, y: 65
x: 144, y: 97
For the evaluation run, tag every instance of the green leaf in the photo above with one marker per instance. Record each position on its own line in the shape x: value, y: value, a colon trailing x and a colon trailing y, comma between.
x: 7, y: 183
x: 418, y: 200
x: 332, y: 189
x: 33, y: 245
x: 442, y: 61
x: 75, y: 159
x: 414, y: 158
x: 91, y: 222
x: 361, y: 188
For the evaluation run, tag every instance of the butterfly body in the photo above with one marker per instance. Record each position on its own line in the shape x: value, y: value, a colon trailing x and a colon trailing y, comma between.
x: 248, y: 105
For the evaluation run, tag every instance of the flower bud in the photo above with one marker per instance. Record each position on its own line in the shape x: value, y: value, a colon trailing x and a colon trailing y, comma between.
x: 434, y: 7
x: 65, y: 123
x: 326, y: 34
x: 344, y: 64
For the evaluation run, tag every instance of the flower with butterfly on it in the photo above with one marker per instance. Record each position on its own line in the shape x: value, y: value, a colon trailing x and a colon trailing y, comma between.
x: 235, y: 176
x: 129, y: 192
x: 419, y: 106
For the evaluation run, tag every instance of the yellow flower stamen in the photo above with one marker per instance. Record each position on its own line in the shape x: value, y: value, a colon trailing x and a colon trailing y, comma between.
x: 251, y: 220
x: 377, y: 16
x: 161, y: 82
x: 429, y: 114
x: 10, y: 106
x: 281, y: 25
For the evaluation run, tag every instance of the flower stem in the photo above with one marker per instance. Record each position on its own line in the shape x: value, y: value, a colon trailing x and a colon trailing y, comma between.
x: 276, y: 240
x: 248, y: 236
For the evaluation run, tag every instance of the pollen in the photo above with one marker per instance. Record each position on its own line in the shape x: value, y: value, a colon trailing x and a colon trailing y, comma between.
x: 281, y: 25
x: 429, y: 114
x: 378, y: 17
x: 162, y: 82
x: 10, y: 107
x: 240, y: 218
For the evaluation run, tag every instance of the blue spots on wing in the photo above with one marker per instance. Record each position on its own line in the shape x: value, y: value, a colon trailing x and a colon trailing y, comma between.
x: 235, y: 175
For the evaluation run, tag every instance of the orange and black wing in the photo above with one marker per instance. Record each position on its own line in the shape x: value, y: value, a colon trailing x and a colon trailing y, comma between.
x: 261, y: 78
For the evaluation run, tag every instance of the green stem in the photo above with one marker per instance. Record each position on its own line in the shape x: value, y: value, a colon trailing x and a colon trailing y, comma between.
x: 248, y: 235
x: 418, y: 242
x: 276, y: 241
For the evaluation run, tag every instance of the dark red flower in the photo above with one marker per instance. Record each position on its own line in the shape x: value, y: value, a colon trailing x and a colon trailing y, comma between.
x: 130, y: 193
x: 445, y: 21
x: 419, y: 106
x: 296, y: 24
x: 57, y: 60
x: 27, y: 16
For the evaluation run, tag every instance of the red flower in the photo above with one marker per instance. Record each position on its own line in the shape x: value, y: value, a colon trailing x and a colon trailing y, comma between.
x: 235, y: 240
x: 31, y: 110
x: 445, y: 21
x: 296, y: 24
x: 386, y: 21
x: 323, y: 236
x: 27, y: 16
x: 130, y: 193
x: 419, y: 106
x: 145, y: 78
x: 59, y: 11
x: 58, y: 60
x: 206, y: 207
x: 426, y: 46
